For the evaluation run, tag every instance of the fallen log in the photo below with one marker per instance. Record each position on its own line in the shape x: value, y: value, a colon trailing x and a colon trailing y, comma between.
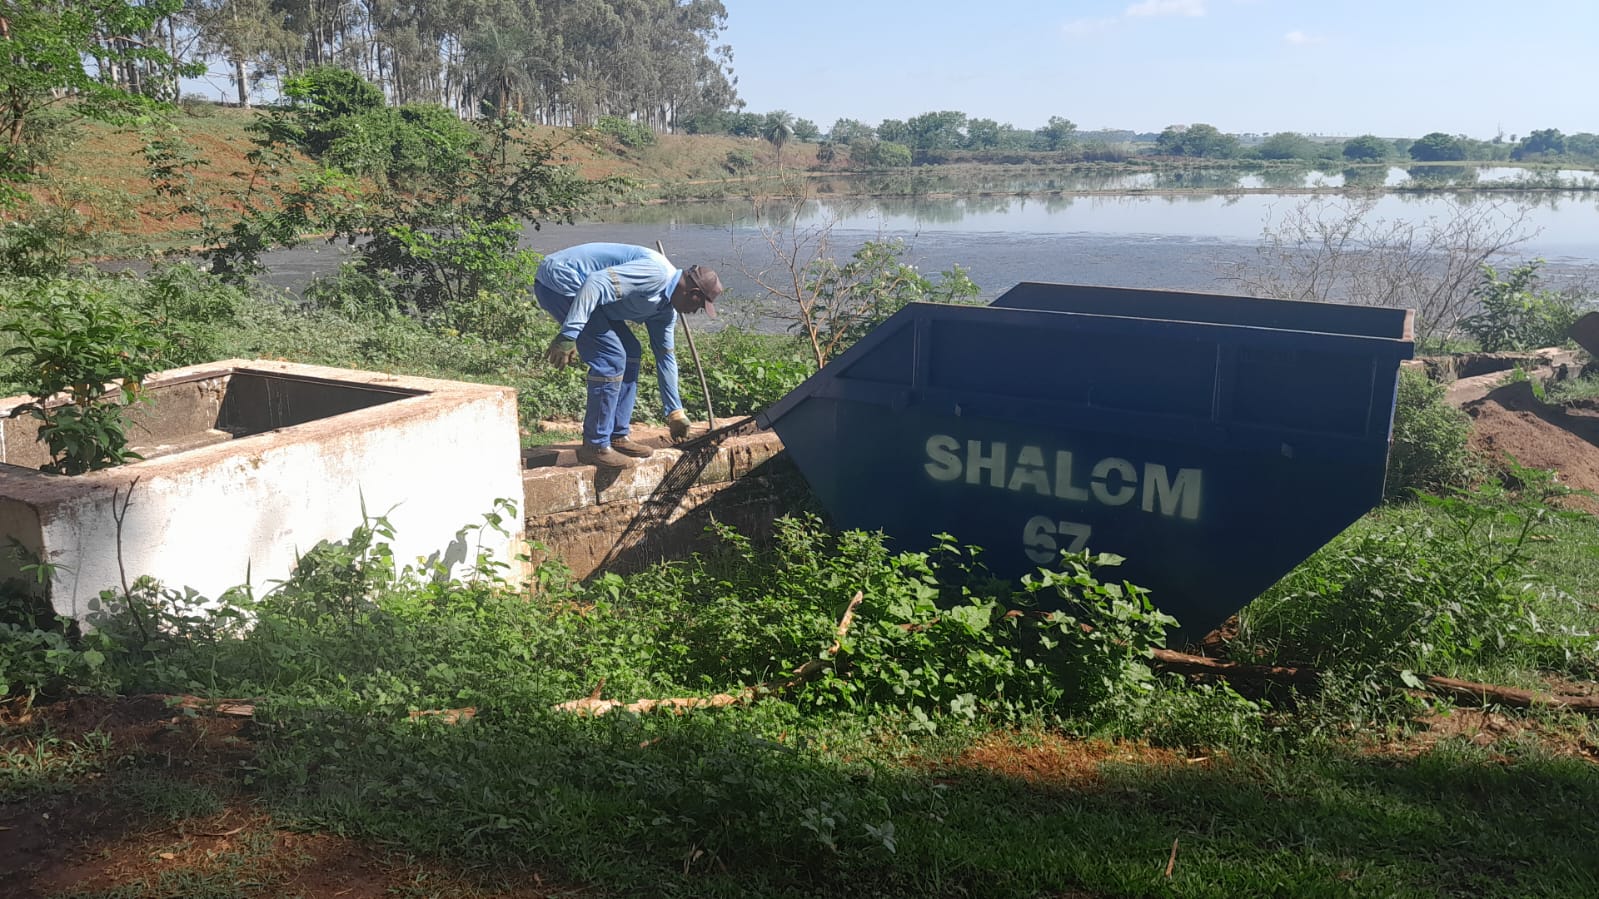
x: 1454, y: 688
x: 593, y: 705
x: 1488, y: 694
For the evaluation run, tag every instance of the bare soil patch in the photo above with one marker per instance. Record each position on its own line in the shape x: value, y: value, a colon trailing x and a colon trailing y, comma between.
x: 1513, y: 421
x: 1052, y: 761
x: 92, y: 836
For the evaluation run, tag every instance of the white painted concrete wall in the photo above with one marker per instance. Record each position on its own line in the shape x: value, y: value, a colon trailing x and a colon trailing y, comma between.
x: 213, y: 518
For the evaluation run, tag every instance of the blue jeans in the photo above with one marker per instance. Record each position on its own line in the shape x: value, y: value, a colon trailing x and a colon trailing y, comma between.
x: 613, y: 355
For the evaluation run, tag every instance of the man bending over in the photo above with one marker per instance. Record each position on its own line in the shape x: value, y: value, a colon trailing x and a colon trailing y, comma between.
x: 593, y: 290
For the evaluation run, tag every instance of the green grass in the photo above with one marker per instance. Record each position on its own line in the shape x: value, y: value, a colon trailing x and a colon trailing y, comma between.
x: 1574, y: 390
x: 33, y: 764
x: 717, y: 807
x: 249, y: 867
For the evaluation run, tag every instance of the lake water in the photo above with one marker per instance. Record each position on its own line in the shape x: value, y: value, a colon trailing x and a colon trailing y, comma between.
x: 1169, y: 241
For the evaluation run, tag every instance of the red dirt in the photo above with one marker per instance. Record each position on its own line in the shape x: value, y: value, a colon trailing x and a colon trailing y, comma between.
x: 88, y: 838
x: 1512, y: 421
x: 1053, y: 761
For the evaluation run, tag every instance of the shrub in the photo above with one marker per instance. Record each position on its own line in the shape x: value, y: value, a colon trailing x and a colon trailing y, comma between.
x: 353, y: 292
x: 748, y: 372
x: 192, y: 309
x: 887, y: 154
x: 74, y: 339
x: 627, y: 132
x: 472, y: 261
x: 1516, y: 315
x: 407, y: 146
x: 738, y: 161
x: 319, y: 100
x: 1428, y: 452
x: 1428, y: 590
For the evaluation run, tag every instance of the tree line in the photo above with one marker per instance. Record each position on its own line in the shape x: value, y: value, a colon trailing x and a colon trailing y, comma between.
x: 555, y: 61
x: 1544, y: 145
x: 948, y: 135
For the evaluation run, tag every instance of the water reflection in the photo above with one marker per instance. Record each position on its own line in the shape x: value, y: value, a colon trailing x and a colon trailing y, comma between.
x: 1441, y: 175
x: 1563, y: 224
x: 1277, y: 177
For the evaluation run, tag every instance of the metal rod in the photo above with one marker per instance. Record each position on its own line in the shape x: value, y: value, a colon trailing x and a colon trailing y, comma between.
x: 710, y: 416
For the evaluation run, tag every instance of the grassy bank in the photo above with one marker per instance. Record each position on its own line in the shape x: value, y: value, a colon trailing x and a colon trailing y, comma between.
x: 420, y: 720
x: 825, y: 714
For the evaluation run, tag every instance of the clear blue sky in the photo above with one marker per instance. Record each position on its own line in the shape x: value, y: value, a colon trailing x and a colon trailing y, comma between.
x: 1395, y: 68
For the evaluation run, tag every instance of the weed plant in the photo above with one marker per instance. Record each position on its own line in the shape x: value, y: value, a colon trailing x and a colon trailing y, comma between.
x: 1428, y: 452
x: 795, y: 793
x: 1453, y: 588
x: 852, y: 784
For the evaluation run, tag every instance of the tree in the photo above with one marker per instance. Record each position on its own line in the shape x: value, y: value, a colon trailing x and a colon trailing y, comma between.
x: 500, y: 65
x: 242, y: 32
x: 43, y: 50
x: 937, y: 130
x: 1583, y: 145
x: 1057, y: 134
x: 1199, y: 140
x: 745, y: 124
x: 1546, y: 142
x: 1366, y: 148
x: 894, y: 130
x: 806, y: 130
x: 848, y: 131
x: 885, y: 154
x: 777, y: 130
x: 1286, y: 145
x: 983, y: 134
x: 1437, y: 147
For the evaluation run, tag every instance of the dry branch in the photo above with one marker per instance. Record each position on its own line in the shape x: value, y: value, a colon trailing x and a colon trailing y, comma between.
x: 228, y: 708
x: 1486, y: 694
x: 1460, y: 690
x: 1183, y: 663
x: 593, y: 705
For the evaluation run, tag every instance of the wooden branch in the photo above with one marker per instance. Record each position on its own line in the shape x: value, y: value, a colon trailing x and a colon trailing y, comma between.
x: 1454, y: 688
x: 229, y: 708
x: 593, y: 705
x: 1485, y: 694
x: 1183, y: 663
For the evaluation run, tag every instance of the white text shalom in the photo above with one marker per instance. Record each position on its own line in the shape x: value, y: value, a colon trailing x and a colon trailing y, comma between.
x: 1111, y: 481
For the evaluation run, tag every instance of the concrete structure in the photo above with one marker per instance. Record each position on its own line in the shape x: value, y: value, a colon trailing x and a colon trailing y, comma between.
x: 250, y: 463
x: 624, y: 521
x: 1469, y: 377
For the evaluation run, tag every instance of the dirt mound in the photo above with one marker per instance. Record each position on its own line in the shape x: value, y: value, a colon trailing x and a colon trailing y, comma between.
x: 1512, y: 420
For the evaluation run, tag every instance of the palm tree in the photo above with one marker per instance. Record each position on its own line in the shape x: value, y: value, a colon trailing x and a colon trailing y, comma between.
x: 777, y: 129
x: 500, y: 62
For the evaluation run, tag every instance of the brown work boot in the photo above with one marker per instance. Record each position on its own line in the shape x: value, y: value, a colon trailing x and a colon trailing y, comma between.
x: 602, y: 457
x: 631, y: 448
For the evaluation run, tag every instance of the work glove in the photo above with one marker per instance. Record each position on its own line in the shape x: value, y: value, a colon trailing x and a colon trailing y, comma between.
x: 677, y: 423
x: 562, y: 352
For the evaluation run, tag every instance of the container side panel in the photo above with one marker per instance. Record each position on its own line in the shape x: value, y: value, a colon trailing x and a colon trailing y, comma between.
x: 1205, y: 529
x: 890, y: 362
x: 1303, y: 390
x: 1114, y: 371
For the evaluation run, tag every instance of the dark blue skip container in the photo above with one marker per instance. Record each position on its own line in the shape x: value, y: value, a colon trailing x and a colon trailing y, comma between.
x: 1214, y: 441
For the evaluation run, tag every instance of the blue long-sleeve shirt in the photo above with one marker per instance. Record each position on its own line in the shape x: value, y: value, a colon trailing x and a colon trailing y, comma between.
x: 625, y: 283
